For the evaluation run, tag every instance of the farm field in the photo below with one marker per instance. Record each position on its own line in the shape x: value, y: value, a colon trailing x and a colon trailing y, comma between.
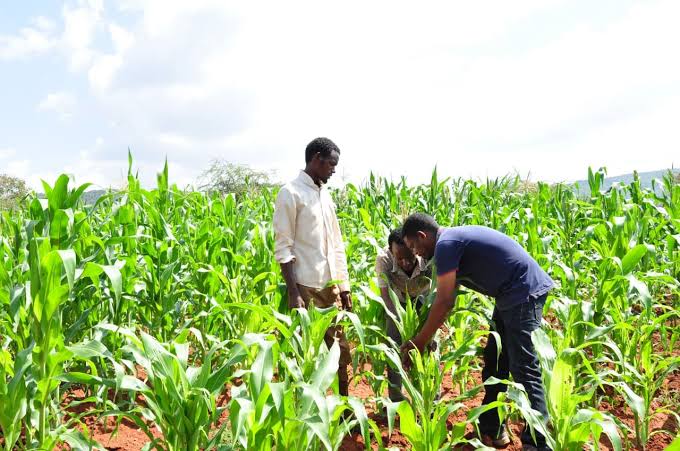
x: 157, y: 319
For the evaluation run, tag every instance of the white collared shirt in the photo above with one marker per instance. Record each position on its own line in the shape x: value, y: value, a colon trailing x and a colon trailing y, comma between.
x: 307, y: 232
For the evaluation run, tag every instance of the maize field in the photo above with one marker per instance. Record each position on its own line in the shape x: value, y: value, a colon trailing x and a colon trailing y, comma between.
x: 161, y: 314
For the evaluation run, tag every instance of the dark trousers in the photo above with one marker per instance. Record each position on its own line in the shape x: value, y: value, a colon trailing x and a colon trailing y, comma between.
x: 518, y: 358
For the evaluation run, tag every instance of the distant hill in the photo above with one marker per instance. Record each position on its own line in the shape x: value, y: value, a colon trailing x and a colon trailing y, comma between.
x: 90, y: 197
x: 645, y: 180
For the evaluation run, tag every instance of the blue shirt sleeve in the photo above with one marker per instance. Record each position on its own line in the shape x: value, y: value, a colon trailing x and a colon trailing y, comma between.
x: 447, y: 255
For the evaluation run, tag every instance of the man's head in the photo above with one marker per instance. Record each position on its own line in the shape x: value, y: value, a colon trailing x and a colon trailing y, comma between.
x: 420, y: 234
x: 402, y: 254
x: 321, y: 158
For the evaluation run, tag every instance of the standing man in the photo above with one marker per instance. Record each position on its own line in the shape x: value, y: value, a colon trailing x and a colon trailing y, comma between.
x: 309, y: 245
x: 397, y: 268
x: 495, y: 265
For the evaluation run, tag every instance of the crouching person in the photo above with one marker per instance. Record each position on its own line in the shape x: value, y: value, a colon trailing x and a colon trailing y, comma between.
x: 408, y: 275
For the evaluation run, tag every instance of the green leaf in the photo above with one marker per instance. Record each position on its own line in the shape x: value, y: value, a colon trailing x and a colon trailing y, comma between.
x: 60, y: 224
x: 561, y: 386
x: 262, y: 370
x: 632, y: 258
x: 76, y: 377
x: 131, y: 383
x: 78, y: 441
x: 325, y: 373
x: 544, y: 348
x: 642, y: 290
x: 116, y: 279
x: 409, y: 427
x: 68, y: 258
x: 635, y: 402
x: 76, y: 194
x: 358, y: 327
x: 58, y: 195
x: 360, y: 413
x: 90, y: 349
x: 675, y: 445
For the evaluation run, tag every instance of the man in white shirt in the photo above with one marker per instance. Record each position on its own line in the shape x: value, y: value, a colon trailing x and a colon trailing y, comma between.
x: 309, y: 244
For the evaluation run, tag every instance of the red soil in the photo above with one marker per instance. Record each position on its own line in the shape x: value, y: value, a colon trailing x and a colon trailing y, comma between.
x: 129, y: 437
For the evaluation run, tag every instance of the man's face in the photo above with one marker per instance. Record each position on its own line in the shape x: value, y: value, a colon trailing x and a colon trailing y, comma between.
x: 326, y: 166
x: 421, y: 244
x: 404, y: 257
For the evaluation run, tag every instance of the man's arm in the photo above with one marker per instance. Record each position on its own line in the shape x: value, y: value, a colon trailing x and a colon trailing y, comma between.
x: 294, y: 298
x: 285, y: 215
x: 443, y: 303
x: 382, y: 265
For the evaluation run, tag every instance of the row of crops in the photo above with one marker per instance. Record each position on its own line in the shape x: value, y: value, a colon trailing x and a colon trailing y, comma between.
x: 158, y: 305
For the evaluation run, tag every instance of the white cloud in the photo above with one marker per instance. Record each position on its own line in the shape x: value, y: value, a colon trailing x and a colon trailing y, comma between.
x: 103, y: 70
x: 18, y: 168
x: 7, y: 153
x: 80, y: 25
x: 28, y: 42
x: 479, y: 89
x: 122, y: 39
x: 92, y: 165
x: 62, y: 103
x: 44, y: 23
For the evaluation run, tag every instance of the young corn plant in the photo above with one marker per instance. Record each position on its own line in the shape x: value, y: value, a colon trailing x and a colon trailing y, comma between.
x: 47, y: 292
x: 638, y: 386
x: 422, y: 419
x: 13, y: 396
x: 180, y: 398
x: 572, y: 427
x: 287, y: 410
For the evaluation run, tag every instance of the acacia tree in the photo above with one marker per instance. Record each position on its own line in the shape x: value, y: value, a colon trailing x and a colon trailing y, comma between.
x: 12, y: 190
x: 225, y: 177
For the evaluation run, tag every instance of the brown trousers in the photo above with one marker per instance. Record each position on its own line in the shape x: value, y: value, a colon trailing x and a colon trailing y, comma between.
x: 324, y: 298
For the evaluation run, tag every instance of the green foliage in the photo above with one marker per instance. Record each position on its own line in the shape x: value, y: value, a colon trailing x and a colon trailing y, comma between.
x: 223, y: 177
x: 159, y: 303
x: 12, y: 191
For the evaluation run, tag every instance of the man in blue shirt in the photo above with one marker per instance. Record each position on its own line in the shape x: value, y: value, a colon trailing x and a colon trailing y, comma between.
x: 495, y: 265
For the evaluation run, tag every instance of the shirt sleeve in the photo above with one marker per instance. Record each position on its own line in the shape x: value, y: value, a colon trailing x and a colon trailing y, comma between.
x: 382, y: 268
x: 447, y: 255
x: 285, y: 214
x: 340, y: 256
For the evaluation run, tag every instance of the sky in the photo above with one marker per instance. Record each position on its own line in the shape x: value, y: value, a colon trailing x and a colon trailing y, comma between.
x: 539, y: 88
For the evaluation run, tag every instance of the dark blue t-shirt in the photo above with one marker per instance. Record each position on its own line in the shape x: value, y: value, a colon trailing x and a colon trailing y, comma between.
x: 491, y: 263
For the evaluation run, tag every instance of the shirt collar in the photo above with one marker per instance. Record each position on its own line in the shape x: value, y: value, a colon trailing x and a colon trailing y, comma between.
x: 421, y: 265
x: 307, y: 180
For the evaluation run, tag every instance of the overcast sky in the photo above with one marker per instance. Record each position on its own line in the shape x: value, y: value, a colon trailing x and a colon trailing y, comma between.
x: 480, y: 88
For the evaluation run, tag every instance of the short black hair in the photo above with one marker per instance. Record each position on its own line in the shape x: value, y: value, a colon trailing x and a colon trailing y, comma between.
x: 395, y: 237
x: 418, y: 222
x: 324, y: 146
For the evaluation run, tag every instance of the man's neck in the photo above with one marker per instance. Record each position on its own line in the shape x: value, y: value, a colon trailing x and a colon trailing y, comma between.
x: 315, y: 179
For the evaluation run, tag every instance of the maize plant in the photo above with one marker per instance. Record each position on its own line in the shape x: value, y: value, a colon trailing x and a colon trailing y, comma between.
x: 166, y: 307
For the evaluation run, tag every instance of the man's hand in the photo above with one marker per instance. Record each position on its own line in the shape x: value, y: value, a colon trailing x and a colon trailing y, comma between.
x: 443, y: 303
x: 346, y: 300
x: 295, y: 300
x: 406, y: 348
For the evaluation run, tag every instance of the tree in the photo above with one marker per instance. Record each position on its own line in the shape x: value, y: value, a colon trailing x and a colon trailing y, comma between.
x: 224, y: 177
x: 12, y: 190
